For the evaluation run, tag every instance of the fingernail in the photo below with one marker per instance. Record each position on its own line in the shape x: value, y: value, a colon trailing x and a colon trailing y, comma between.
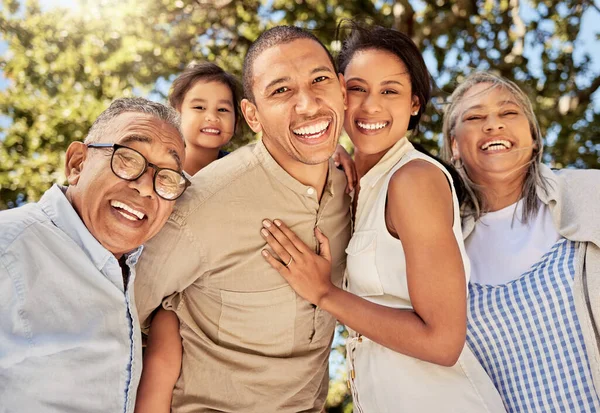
x: 264, y: 232
x: 266, y: 223
x: 264, y: 253
x: 336, y: 163
x: 277, y: 222
x: 318, y: 229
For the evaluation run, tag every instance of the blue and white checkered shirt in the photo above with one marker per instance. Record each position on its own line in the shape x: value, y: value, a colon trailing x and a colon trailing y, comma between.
x: 527, y: 336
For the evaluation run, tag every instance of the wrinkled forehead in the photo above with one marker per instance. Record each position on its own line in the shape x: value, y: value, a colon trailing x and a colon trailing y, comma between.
x: 147, y: 133
x: 294, y: 59
x: 487, y: 94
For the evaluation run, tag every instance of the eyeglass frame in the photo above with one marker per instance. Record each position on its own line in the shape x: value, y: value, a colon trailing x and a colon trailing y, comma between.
x: 157, y: 169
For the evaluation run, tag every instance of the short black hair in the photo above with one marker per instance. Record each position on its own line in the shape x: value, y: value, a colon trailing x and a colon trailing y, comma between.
x: 207, y: 72
x: 270, y: 38
x: 370, y: 37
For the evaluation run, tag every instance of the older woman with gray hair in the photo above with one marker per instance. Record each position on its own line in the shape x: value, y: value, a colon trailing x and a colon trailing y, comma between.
x: 534, y: 244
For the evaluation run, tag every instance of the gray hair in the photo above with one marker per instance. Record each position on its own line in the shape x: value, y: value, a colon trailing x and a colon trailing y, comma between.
x: 475, y: 202
x: 101, y: 125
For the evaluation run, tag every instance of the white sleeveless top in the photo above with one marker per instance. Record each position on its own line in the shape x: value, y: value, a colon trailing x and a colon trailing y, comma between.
x: 381, y: 379
x: 376, y: 264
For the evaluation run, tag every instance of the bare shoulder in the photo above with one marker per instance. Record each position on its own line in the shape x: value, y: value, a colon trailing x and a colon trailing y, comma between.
x: 419, y: 198
x: 419, y: 177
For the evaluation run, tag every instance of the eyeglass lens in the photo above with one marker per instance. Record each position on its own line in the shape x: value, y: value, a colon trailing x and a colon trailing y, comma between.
x: 129, y: 164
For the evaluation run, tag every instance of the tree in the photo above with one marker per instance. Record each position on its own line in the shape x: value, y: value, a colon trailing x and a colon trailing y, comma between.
x: 64, y: 66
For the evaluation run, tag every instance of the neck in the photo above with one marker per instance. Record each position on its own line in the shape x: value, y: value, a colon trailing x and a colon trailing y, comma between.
x: 501, y: 192
x: 313, y: 175
x: 365, y: 162
x: 197, y: 157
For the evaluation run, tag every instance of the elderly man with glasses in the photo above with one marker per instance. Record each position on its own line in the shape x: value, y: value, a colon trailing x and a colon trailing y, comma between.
x: 69, y: 332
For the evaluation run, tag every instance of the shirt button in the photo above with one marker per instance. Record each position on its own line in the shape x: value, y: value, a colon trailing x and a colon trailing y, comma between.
x: 310, y: 191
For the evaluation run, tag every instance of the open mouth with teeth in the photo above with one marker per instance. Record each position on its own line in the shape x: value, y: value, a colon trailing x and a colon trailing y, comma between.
x: 127, y: 212
x: 366, y: 127
x: 210, y: 131
x: 496, y: 145
x: 314, y: 131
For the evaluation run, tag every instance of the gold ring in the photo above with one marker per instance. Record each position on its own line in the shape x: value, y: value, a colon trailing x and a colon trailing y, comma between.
x: 289, y: 262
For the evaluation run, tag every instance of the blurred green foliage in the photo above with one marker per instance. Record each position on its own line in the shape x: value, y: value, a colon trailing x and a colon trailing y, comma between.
x: 64, y: 66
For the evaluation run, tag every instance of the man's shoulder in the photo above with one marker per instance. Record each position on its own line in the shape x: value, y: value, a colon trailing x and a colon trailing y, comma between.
x: 224, y: 174
x: 15, y: 222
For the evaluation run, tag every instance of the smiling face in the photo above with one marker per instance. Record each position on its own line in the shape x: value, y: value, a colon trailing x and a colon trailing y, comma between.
x: 299, y: 103
x: 380, y: 100
x: 120, y: 214
x: 208, y: 115
x: 492, y: 135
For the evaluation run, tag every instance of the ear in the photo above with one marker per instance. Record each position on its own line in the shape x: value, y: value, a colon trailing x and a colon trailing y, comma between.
x: 416, y: 105
x: 74, y: 160
x: 344, y: 91
x: 455, y: 151
x: 251, y: 115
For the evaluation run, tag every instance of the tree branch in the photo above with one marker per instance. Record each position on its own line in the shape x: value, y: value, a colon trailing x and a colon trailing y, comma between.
x: 585, y: 95
x: 404, y: 17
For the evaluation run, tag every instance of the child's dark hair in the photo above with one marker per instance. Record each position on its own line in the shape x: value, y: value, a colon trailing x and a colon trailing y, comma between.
x: 369, y: 37
x: 364, y: 37
x: 207, y: 72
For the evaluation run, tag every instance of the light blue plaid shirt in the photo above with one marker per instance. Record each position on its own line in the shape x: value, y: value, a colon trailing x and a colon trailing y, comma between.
x: 69, y: 331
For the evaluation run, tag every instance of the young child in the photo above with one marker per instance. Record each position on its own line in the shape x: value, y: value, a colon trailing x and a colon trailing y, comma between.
x: 207, y: 97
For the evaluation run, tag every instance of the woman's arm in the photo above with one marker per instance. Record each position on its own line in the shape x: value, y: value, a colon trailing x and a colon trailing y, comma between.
x: 162, y: 364
x: 420, y: 212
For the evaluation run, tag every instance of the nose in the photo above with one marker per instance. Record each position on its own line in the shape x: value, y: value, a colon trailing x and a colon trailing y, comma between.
x: 144, y: 185
x: 493, y: 123
x: 307, y: 103
x: 371, y: 103
x: 211, y: 116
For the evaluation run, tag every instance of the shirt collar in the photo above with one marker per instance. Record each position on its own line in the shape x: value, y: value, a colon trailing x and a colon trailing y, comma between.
x: 392, y: 156
x: 55, y: 204
x: 335, y: 178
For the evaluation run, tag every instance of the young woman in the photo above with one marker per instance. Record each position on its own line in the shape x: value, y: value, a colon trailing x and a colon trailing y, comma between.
x: 404, y: 302
x: 533, y: 238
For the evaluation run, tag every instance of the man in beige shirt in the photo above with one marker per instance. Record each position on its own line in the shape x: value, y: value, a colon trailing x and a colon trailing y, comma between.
x: 250, y: 344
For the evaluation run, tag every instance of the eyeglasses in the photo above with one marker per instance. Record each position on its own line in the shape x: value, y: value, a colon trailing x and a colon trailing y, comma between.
x: 129, y: 164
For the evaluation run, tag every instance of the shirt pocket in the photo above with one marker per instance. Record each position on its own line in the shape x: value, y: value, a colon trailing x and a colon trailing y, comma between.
x: 259, y: 322
x: 363, y: 278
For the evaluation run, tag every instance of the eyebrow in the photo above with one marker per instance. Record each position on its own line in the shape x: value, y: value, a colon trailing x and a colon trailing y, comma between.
x: 277, y: 81
x: 356, y: 79
x: 321, y: 69
x: 145, y: 139
x: 287, y: 78
x: 479, y: 106
x: 385, y: 82
x: 223, y: 101
x: 392, y: 82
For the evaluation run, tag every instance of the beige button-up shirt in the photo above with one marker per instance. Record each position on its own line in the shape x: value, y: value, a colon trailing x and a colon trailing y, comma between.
x: 250, y: 343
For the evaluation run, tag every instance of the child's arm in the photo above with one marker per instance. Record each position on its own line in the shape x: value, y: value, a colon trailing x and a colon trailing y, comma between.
x: 162, y: 364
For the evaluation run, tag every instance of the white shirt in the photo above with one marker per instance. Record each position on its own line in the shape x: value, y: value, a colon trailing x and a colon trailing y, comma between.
x: 502, y: 248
